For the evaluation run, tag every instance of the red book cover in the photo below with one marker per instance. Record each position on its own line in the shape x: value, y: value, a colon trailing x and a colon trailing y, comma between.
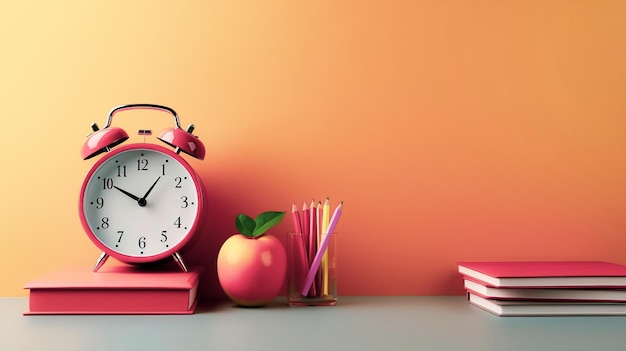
x: 545, y: 273
x: 113, y: 290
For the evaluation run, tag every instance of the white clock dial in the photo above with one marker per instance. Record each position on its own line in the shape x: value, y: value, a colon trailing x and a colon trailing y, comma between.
x: 141, y: 202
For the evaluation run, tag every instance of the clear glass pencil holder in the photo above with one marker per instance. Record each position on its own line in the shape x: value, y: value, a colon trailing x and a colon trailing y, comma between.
x: 311, y: 273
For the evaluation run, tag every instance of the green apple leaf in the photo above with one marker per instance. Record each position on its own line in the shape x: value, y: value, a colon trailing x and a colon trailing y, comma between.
x: 245, y: 225
x: 267, y: 220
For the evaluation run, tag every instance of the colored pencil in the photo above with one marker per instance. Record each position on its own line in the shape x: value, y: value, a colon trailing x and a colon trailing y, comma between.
x: 312, y: 241
x: 318, y: 274
x: 305, y: 226
x: 297, y: 226
x: 322, y: 250
x: 303, y: 263
x: 312, y: 230
x: 325, y: 222
x: 325, y: 216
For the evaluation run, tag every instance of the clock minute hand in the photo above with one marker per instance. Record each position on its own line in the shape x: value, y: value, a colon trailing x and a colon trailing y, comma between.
x: 127, y: 193
x: 149, y: 190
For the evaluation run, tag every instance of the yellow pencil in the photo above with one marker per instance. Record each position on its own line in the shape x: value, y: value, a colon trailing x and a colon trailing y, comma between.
x: 325, y: 222
x: 325, y: 215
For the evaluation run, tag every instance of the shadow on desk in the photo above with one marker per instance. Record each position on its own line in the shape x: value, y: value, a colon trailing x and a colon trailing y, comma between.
x: 280, y: 303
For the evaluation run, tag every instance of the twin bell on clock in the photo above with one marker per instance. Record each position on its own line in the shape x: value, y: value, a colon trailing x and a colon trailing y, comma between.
x: 141, y: 202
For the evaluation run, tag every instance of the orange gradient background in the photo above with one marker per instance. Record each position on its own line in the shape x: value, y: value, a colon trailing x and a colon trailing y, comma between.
x: 452, y: 130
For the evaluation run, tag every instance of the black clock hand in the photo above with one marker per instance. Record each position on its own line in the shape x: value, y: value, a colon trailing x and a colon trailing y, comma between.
x: 143, y: 199
x: 127, y: 193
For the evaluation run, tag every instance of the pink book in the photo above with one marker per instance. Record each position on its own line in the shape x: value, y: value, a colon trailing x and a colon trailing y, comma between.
x: 545, y: 273
x: 113, y: 290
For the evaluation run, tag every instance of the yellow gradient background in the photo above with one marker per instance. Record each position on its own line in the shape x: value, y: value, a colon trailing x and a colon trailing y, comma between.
x: 452, y: 130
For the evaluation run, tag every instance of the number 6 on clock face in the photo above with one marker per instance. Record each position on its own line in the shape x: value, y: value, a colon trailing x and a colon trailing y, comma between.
x: 141, y: 203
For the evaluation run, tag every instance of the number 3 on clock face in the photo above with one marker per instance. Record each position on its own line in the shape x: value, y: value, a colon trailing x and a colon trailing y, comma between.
x: 141, y: 203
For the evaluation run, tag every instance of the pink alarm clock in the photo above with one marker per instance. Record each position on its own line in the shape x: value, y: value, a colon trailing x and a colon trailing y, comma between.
x: 142, y: 202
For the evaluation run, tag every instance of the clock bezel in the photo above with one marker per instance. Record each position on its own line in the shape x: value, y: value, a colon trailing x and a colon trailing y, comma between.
x: 134, y: 259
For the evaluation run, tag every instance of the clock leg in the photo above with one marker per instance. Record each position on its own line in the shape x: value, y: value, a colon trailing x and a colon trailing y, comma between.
x: 103, y: 258
x: 180, y: 261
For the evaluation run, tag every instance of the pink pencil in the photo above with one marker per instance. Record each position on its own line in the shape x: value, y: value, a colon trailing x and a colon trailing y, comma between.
x: 312, y: 231
x: 317, y: 283
x: 312, y: 240
x: 305, y: 227
x: 320, y: 252
x: 302, y: 263
x: 297, y: 226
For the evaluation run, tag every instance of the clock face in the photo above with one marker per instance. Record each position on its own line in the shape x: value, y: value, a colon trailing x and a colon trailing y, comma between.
x: 140, y: 203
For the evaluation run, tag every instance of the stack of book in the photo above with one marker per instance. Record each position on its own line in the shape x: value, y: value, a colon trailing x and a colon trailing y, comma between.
x: 546, y: 288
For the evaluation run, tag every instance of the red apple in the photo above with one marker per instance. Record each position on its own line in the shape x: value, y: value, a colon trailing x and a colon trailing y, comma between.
x: 252, y: 270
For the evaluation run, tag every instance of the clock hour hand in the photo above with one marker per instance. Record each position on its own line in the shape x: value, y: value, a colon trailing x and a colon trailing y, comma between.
x: 127, y: 193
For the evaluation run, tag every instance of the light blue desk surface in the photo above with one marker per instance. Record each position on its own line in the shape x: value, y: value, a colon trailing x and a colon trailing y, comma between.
x: 356, y: 323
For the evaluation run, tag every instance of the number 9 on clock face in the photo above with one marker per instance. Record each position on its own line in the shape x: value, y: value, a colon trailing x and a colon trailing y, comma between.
x: 141, y: 203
